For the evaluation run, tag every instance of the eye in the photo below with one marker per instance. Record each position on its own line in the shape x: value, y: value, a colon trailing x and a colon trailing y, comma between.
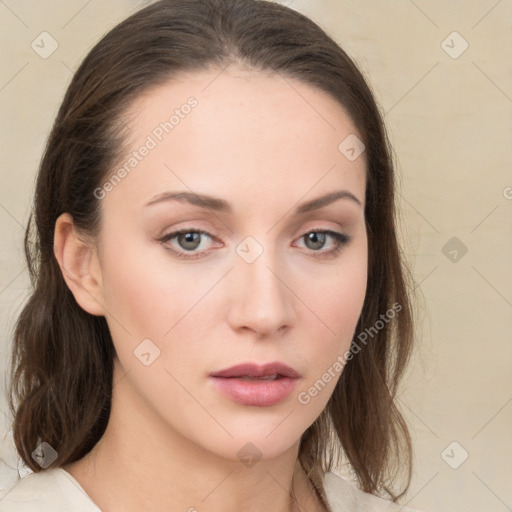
x: 189, y: 240
x: 316, y: 239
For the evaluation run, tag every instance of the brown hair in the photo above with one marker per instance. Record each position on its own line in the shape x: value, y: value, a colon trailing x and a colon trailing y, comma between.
x: 62, y: 364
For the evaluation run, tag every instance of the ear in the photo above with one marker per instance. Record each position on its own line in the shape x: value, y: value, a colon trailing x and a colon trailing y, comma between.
x: 79, y: 265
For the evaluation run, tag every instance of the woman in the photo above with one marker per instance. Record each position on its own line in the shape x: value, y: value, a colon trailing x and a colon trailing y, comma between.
x: 220, y: 313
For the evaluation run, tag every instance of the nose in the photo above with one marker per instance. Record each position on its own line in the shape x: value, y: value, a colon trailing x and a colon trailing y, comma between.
x: 261, y: 296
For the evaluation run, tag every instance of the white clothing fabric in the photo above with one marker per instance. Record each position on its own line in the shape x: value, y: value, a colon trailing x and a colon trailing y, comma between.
x: 55, y: 490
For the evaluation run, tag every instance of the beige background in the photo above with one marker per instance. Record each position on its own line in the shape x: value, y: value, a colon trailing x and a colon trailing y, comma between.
x: 450, y: 123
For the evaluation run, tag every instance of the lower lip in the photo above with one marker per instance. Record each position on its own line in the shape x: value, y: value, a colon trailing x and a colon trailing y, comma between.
x: 255, y: 392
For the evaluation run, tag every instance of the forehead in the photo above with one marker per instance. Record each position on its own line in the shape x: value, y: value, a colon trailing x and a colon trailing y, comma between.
x: 242, y: 129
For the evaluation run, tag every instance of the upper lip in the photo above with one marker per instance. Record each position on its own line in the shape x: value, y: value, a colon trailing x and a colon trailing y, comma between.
x: 255, y: 370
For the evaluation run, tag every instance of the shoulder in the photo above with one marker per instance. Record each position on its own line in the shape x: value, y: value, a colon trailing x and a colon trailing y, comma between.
x: 47, y: 490
x: 344, y: 496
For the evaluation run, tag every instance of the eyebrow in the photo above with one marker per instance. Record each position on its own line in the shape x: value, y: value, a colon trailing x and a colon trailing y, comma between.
x: 221, y: 205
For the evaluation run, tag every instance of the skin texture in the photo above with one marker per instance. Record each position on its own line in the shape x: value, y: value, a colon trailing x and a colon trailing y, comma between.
x: 264, y: 144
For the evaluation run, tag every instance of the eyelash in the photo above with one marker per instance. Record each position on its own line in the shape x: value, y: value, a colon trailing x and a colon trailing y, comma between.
x: 341, y: 240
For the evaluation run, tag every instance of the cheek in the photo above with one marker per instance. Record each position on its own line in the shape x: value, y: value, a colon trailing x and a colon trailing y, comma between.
x: 339, y: 299
x: 150, y: 297
x: 336, y: 305
x: 143, y: 293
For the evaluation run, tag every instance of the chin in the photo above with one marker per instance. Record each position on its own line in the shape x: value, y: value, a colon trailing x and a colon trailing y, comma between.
x: 259, y: 443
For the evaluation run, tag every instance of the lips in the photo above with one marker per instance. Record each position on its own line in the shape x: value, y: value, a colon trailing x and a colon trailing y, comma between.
x: 268, y: 371
x: 256, y: 385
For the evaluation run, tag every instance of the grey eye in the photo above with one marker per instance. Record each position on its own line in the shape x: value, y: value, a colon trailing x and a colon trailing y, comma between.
x: 189, y: 240
x: 317, y: 240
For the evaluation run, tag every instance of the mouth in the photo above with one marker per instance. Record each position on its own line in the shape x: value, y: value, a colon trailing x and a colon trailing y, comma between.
x: 270, y: 371
x: 265, y: 377
x: 256, y: 385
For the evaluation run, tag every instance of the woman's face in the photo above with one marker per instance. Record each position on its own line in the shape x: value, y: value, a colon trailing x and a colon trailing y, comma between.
x: 247, y: 281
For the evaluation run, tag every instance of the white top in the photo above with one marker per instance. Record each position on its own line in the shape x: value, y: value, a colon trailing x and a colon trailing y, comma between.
x: 55, y: 490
